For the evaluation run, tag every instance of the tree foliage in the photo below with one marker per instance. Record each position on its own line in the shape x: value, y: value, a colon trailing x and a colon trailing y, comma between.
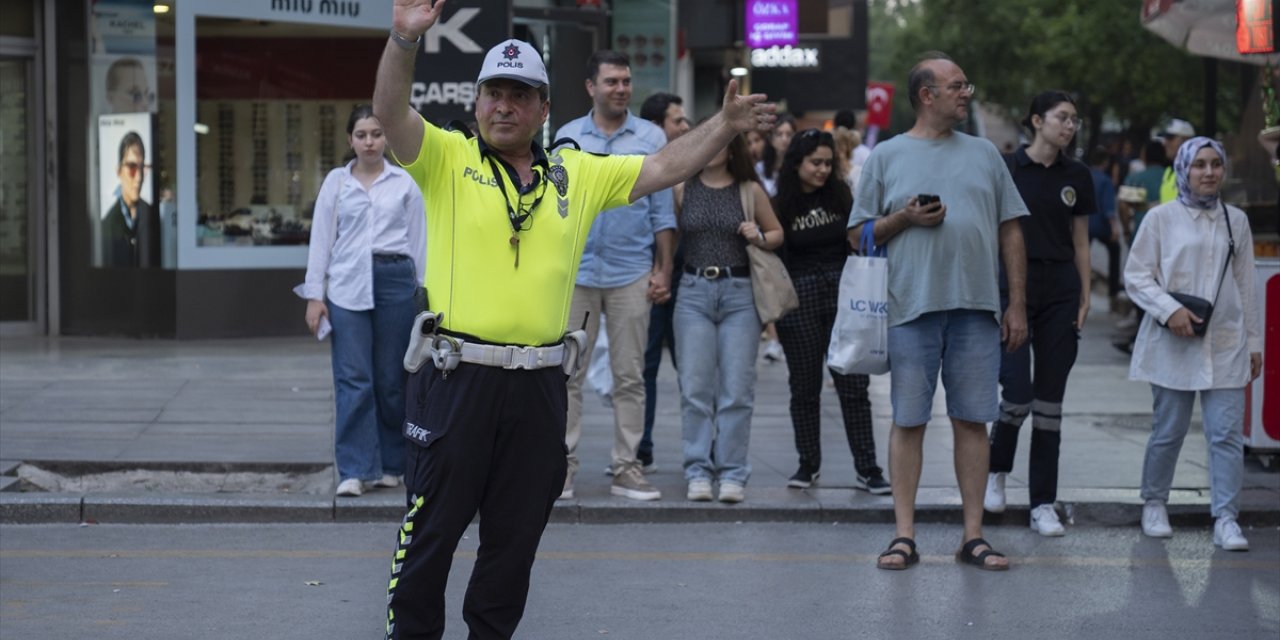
x: 1012, y: 49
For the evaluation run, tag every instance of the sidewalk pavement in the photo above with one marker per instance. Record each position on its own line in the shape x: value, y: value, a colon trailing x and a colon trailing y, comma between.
x: 80, y: 405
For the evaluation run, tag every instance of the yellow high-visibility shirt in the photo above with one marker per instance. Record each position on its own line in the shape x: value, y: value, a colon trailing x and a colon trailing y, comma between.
x: 1169, y: 186
x: 471, y: 272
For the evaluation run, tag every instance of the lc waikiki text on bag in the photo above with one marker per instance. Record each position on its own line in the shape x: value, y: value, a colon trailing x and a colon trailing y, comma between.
x: 860, y: 335
x: 771, y: 286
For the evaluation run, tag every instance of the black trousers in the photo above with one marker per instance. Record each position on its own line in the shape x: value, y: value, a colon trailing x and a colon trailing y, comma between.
x: 482, y: 440
x: 805, y: 334
x: 1053, y: 301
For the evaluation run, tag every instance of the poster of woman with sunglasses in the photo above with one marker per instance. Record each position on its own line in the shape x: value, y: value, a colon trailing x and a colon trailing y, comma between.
x: 128, y: 234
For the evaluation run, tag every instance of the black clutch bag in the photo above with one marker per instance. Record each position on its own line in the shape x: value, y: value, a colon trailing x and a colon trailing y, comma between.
x: 1198, y: 306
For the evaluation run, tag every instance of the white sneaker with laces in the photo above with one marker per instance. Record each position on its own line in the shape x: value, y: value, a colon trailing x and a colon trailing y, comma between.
x: 1155, y: 520
x: 1227, y: 534
x: 351, y: 488
x: 1044, y: 520
x: 732, y: 492
x: 387, y: 481
x: 994, y: 500
x: 699, y: 490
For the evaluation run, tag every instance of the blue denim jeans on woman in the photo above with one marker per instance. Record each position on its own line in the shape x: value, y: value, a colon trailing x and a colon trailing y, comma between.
x: 717, y: 334
x: 368, y: 374
x: 1223, y: 414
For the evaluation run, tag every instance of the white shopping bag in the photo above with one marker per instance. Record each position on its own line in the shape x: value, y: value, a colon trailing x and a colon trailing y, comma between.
x: 860, y: 336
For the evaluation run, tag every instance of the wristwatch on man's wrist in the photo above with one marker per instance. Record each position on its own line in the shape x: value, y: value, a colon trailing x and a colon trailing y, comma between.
x: 405, y: 43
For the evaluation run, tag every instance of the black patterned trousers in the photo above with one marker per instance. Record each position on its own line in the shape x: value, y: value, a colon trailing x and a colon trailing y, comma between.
x: 805, y: 334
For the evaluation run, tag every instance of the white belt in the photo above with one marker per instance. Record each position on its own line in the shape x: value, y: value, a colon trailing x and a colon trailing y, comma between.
x: 446, y: 352
x: 512, y: 357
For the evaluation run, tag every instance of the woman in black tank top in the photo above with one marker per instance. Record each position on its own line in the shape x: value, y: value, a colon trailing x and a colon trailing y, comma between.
x: 716, y: 325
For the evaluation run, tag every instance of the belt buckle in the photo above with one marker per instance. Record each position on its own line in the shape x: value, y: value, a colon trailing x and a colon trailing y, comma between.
x: 520, y: 358
x: 711, y: 273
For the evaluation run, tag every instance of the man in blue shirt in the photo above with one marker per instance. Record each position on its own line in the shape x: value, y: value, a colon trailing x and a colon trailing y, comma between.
x: 626, y: 266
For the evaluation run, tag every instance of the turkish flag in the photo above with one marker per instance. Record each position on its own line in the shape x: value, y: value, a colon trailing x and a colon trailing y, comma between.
x: 879, y: 104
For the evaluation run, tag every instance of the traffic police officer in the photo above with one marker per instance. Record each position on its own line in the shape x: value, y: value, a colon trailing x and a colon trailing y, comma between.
x: 507, y: 223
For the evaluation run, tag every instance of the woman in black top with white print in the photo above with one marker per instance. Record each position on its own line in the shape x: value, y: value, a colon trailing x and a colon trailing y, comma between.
x: 813, y: 205
x: 1059, y: 192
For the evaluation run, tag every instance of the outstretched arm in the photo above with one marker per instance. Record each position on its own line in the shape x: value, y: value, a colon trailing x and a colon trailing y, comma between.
x: 684, y: 156
x: 402, y: 125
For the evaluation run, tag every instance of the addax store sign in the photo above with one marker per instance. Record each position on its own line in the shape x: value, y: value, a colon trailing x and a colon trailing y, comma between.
x: 444, y: 78
x: 771, y: 23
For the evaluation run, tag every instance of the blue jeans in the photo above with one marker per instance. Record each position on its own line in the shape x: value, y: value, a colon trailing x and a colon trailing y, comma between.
x: 717, y: 334
x: 1223, y: 413
x: 368, y: 374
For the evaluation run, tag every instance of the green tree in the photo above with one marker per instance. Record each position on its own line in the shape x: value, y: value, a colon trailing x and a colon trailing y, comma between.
x: 1013, y: 49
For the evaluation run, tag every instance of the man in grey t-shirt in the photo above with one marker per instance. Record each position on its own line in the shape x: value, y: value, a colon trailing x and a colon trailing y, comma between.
x: 944, y: 293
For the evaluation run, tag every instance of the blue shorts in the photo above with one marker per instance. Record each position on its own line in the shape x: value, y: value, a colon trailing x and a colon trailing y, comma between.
x: 970, y: 341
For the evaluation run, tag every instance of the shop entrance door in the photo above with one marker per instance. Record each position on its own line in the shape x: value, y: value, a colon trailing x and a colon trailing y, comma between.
x: 21, y: 191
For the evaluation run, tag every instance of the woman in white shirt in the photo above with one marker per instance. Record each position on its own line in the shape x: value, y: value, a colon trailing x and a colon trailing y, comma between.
x: 1185, y: 246
x: 368, y: 248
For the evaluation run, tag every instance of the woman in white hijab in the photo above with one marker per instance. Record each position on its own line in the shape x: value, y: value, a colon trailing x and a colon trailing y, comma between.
x: 1192, y: 270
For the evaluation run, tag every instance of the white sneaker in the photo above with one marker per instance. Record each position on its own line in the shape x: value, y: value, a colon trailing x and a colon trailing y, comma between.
x: 699, y: 490
x: 1045, y: 521
x: 1155, y: 520
x: 993, y: 501
x: 351, y: 487
x: 387, y: 481
x: 1227, y: 534
x: 773, y: 351
x: 567, y: 493
x: 732, y: 492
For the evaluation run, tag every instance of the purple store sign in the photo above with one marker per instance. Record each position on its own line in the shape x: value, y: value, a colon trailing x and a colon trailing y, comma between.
x: 771, y: 22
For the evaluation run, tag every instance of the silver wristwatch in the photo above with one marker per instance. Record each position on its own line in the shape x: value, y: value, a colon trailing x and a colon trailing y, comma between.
x: 405, y: 43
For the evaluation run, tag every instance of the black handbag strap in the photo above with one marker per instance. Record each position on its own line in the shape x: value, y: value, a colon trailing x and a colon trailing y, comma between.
x: 1231, y: 251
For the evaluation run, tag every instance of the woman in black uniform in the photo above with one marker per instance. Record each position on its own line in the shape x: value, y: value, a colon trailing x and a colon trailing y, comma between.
x: 1058, y: 191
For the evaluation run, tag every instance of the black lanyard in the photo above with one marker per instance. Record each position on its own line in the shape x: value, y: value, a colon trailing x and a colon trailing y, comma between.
x: 514, y: 214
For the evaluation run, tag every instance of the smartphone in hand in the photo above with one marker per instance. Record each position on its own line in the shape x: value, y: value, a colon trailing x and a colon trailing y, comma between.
x: 926, y: 199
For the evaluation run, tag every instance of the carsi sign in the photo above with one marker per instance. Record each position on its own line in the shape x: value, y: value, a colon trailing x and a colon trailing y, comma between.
x: 771, y: 23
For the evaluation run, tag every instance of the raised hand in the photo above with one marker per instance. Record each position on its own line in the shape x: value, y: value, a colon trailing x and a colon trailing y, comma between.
x: 412, y: 18
x: 745, y: 113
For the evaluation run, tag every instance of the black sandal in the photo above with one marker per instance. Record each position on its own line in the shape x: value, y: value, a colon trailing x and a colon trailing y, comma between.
x: 908, y: 558
x: 965, y: 555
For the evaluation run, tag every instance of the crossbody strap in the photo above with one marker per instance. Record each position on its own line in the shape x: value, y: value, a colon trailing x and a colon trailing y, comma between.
x: 748, y: 201
x: 1231, y: 251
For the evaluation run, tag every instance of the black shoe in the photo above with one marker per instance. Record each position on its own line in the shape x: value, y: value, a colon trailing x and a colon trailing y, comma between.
x: 803, y: 478
x: 874, y: 484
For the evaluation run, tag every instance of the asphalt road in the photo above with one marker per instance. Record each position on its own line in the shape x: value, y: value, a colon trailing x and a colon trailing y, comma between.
x: 641, y: 581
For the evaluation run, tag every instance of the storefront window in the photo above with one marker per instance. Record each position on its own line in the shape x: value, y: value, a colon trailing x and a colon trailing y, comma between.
x: 262, y: 93
x: 272, y: 101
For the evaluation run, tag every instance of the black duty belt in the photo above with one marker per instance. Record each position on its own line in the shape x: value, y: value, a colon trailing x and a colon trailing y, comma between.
x: 711, y: 273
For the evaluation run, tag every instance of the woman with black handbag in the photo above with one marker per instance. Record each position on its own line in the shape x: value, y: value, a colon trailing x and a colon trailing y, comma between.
x: 1196, y: 252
